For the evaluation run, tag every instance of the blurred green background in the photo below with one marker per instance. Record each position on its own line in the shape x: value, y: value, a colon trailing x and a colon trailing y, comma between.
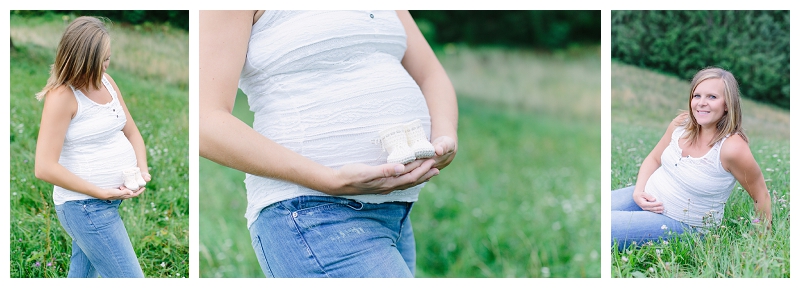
x: 150, y: 65
x: 522, y: 197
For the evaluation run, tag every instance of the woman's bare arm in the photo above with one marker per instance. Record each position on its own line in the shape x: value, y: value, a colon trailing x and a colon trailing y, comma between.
x: 224, y: 139
x: 422, y: 64
x: 737, y: 158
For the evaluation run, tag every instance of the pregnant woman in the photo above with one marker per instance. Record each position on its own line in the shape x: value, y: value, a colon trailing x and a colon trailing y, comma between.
x: 685, y: 181
x: 333, y: 92
x: 90, y: 149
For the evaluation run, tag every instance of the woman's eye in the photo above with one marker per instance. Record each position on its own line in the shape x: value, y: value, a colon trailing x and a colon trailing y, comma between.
x: 712, y: 97
x: 696, y: 96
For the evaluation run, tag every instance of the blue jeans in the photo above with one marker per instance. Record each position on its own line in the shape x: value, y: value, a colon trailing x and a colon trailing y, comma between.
x: 100, y: 243
x: 631, y: 225
x: 322, y: 236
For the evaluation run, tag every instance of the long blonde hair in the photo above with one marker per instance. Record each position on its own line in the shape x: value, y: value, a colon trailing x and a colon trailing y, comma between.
x: 731, y: 122
x: 83, y: 48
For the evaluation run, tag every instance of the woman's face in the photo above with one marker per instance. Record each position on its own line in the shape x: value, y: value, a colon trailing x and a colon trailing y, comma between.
x: 708, y: 102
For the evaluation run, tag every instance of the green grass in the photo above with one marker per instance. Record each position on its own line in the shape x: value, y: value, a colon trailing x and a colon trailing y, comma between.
x: 643, y: 103
x: 521, y: 198
x: 158, y: 220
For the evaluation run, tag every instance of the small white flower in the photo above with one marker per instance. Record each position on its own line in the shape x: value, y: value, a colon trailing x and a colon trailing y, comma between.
x: 658, y: 251
x: 651, y: 270
x: 624, y: 259
x: 666, y: 242
x: 163, y: 264
x: 663, y: 227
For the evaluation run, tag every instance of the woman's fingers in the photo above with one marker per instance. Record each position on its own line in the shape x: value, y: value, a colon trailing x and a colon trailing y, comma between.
x: 648, y: 203
x: 419, y: 175
x: 656, y: 207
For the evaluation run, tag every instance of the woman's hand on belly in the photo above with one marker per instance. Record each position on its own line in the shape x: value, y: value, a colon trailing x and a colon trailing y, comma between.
x: 360, y: 179
x: 647, y: 202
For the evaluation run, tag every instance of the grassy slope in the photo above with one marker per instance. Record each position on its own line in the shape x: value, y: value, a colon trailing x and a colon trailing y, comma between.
x: 642, y: 104
x: 521, y: 198
x: 157, y: 221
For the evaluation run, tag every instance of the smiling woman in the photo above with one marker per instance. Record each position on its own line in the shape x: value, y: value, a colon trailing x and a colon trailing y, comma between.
x: 685, y: 181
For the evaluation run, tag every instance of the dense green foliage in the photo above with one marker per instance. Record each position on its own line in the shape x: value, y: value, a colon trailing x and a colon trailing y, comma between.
x: 157, y: 221
x: 175, y: 18
x: 529, y: 29
x: 753, y: 45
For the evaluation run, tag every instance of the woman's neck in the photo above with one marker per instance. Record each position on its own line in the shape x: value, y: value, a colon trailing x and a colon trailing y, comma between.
x: 705, y: 134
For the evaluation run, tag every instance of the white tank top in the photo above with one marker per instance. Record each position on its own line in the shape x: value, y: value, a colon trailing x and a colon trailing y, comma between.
x: 95, y: 149
x: 324, y: 84
x: 694, y: 190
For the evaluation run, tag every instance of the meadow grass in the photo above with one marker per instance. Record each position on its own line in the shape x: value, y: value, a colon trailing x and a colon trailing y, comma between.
x: 643, y: 103
x: 158, y: 220
x: 521, y: 198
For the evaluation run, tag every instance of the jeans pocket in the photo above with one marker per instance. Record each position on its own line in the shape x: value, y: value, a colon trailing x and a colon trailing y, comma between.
x: 101, y: 213
x: 62, y: 218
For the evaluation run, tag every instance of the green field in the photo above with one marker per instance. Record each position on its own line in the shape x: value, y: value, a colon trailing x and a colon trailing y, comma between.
x: 521, y: 198
x: 150, y: 67
x: 642, y: 105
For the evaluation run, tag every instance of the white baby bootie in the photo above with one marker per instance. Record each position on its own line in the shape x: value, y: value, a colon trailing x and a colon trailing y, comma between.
x: 139, y: 178
x: 131, y: 182
x: 395, y: 143
x: 418, y: 141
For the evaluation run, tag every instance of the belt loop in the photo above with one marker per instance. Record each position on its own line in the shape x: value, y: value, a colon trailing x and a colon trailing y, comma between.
x: 355, y: 204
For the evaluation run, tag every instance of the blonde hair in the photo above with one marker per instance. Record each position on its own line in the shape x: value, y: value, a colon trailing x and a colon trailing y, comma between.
x: 83, y: 48
x: 731, y: 121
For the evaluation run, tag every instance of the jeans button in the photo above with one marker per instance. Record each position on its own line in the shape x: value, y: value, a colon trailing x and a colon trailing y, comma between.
x: 294, y: 214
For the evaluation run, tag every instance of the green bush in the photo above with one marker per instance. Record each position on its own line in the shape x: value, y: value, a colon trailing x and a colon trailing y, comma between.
x: 753, y: 45
x: 527, y: 29
x: 178, y: 19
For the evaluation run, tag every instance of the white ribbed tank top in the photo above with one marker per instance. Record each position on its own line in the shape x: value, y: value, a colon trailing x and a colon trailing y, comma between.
x: 324, y: 84
x: 95, y: 149
x: 694, y: 190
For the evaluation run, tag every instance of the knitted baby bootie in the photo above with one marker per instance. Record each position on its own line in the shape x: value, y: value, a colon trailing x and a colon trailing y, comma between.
x: 395, y: 143
x: 418, y: 141
x: 129, y: 175
x: 139, y: 178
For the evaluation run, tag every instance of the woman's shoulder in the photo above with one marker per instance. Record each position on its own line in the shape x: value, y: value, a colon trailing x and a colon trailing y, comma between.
x: 62, y: 99
x: 734, y: 148
x: 60, y: 95
x: 681, y: 119
x: 734, y: 143
x: 111, y: 81
x: 678, y: 121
